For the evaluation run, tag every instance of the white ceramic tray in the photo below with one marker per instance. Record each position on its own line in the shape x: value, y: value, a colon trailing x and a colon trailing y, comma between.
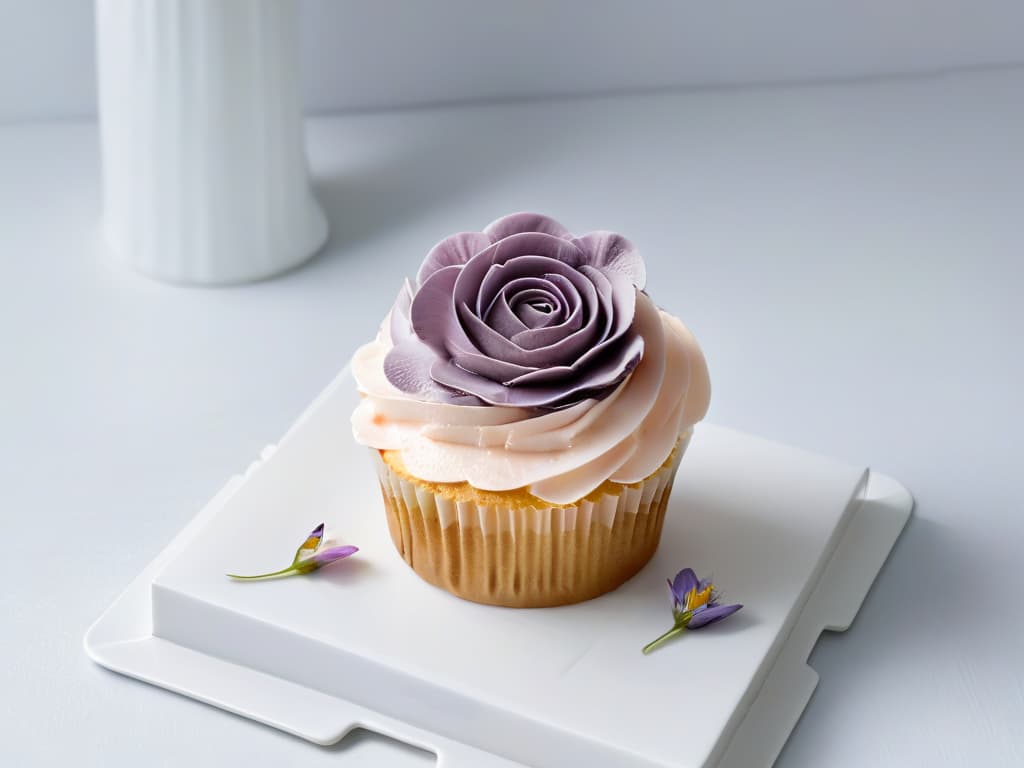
x: 364, y: 643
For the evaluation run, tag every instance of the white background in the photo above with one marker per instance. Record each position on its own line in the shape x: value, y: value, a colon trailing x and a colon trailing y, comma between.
x: 849, y: 255
x: 400, y: 52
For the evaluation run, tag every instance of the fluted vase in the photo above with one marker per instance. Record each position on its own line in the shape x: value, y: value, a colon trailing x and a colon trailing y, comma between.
x: 204, y: 166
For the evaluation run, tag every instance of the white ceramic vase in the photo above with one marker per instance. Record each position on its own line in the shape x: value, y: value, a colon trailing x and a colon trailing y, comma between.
x: 204, y: 166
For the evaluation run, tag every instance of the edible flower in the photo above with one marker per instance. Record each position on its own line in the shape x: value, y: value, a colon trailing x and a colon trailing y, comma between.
x: 314, y: 553
x: 694, y: 605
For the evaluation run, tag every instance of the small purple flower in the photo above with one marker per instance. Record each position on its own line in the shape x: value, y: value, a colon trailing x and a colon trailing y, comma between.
x: 314, y: 553
x: 694, y: 605
x: 522, y: 314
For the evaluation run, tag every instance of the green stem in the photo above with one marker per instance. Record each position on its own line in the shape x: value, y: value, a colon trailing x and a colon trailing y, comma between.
x: 677, y: 630
x: 273, y: 575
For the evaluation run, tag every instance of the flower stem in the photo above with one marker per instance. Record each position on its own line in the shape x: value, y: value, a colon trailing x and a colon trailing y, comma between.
x: 273, y: 575
x: 676, y: 630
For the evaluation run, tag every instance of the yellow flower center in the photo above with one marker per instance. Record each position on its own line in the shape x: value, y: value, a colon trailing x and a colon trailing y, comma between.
x: 696, y: 599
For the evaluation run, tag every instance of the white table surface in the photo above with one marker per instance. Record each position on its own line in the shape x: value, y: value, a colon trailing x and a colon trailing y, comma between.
x: 851, y: 258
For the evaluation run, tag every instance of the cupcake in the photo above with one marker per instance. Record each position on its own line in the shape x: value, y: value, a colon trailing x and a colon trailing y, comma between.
x: 526, y: 405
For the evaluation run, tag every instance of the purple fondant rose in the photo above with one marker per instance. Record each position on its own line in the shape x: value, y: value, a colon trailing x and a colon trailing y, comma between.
x: 521, y: 314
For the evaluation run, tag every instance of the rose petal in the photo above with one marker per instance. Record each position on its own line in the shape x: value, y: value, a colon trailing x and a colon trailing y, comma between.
x: 533, y: 317
x: 515, y: 223
x: 506, y: 313
x: 407, y: 367
x: 624, y: 300
x: 536, y: 338
x: 480, y: 283
x: 545, y: 283
x: 493, y: 368
x: 613, y: 252
x: 585, y: 375
x: 574, y: 284
x: 433, y: 313
x: 501, y: 318
x: 489, y: 342
x: 398, y: 321
x: 450, y: 375
x: 537, y: 307
x: 454, y: 250
x: 370, y: 367
x: 606, y: 304
x: 481, y: 336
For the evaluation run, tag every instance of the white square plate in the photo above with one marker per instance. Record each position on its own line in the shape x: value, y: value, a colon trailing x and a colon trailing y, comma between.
x: 795, y: 537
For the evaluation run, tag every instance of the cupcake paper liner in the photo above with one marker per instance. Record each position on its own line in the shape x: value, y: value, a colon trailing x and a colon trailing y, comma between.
x: 527, y: 555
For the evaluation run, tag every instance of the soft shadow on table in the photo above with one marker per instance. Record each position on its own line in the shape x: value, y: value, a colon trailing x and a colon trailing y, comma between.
x: 350, y: 572
x: 422, y: 170
x: 931, y: 578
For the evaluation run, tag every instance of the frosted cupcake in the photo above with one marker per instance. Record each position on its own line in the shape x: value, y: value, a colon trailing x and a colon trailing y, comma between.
x: 527, y: 406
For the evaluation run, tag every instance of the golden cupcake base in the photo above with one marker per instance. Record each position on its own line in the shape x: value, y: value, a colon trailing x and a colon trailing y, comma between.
x: 512, y: 549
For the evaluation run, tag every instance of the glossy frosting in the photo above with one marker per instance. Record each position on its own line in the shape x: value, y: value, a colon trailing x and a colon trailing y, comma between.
x: 558, y: 455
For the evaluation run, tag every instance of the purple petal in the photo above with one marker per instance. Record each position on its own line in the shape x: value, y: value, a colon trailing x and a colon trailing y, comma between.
x: 454, y: 250
x: 677, y: 604
x: 450, y: 375
x: 511, y: 289
x: 516, y: 303
x: 551, y: 395
x: 546, y: 336
x: 478, y: 288
x: 684, y: 581
x: 433, y: 311
x: 591, y: 374
x: 491, y: 343
x: 537, y: 307
x: 331, y: 554
x: 576, y: 307
x: 399, y: 325
x: 495, y: 368
x: 613, y: 252
x: 712, y: 614
x: 511, y: 292
x: 561, y: 349
x: 501, y: 318
x: 515, y: 223
x: 407, y: 367
x: 471, y: 287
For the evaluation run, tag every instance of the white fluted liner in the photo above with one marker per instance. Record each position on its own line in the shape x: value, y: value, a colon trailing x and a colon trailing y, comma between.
x: 526, y: 555
x: 205, y: 174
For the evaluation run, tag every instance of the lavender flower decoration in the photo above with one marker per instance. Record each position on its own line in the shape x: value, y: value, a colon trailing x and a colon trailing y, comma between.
x: 694, y: 605
x: 314, y: 553
x: 521, y: 314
